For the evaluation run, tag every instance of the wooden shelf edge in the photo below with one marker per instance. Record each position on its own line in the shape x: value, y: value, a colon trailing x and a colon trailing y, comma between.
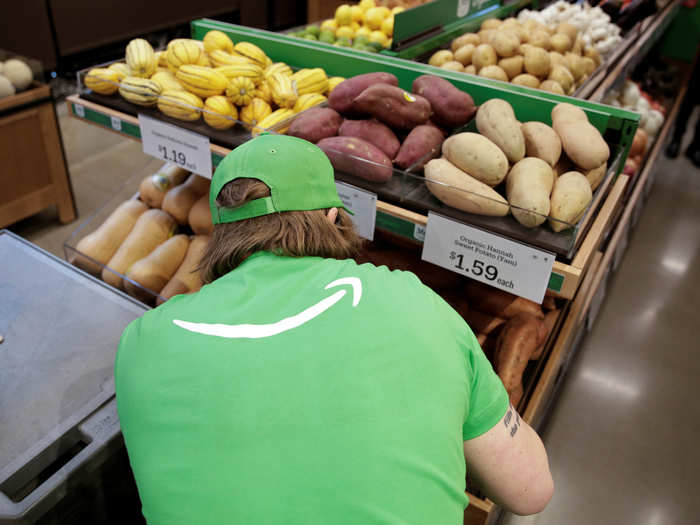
x: 595, y: 235
x: 540, y: 396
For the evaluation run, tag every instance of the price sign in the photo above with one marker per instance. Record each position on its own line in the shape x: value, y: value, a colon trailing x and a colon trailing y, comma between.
x: 489, y: 258
x: 363, y: 204
x: 173, y: 144
x: 116, y: 123
x: 79, y: 110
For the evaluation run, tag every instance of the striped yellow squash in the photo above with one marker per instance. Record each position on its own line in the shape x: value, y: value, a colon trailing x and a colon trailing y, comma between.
x: 202, y: 81
x: 282, y: 90
x: 102, y: 80
x: 139, y: 91
x: 140, y: 58
x: 180, y: 105
x: 219, y: 113
x: 217, y: 40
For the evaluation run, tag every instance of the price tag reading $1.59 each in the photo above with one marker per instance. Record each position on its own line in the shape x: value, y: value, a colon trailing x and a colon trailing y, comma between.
x: 176, y: 145
x: 491, y: 259
x: 364, y: 206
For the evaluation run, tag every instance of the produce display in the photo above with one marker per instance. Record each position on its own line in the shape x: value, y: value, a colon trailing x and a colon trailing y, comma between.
x: 652, y: 117
x: 512, y: 331
x: 535, y: 171
x: 556, y: 57
x: 214, y: 80
x: 371, y: 124
x: 365, y: 26
x: 15, y: 76
x: 146, y: 247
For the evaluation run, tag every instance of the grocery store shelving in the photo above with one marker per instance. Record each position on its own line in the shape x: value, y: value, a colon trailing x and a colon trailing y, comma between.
x: 565, y: 278
x: 651, y: 30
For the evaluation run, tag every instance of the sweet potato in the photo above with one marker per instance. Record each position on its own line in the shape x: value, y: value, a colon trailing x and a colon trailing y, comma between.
x: 357, y: 157
x: 422, y: 144
x: 596, y: 175
x: 477, y: 156
x: 393, y: 106
x: 316, y: 124
x: 541, y: 141
x: 372, y: 131
x: 342, y: 96
x: 528, y: 187
x: 499, y: 303
x: 483, y: 323
x: 516, y: 343
x: 571, y: 196
x: 550, y: 319
x: 495, y: 119
x: 582, y: 143
x: 451, y: 106
x: 460, y: 190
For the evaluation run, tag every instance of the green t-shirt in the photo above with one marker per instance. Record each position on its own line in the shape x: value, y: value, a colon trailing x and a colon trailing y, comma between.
x: 271, y: 397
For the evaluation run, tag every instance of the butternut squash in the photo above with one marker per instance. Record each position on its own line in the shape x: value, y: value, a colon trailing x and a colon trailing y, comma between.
x: 155, y: 270
x: 154, y: 187
x: 101, y: 245
x: 179, y: 200
x: 187, y: 278
x: 152, y: 228
x: 200, y: 217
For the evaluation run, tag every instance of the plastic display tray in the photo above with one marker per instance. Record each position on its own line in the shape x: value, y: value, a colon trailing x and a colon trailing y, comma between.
x: 58, y: 417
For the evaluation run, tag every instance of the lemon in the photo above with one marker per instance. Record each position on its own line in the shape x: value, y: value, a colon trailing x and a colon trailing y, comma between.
x: 397, y: 9
x: 343, y: 15
x: 364, y: 30
x: 378, y: 36
x: 374, y: 18
x: 366, y: 4
x: 357, y: 13
x: 345, y: 31
x: 385, y: 11
x: 329, y: 24
x: 388, y: 26
x: 355, y: 26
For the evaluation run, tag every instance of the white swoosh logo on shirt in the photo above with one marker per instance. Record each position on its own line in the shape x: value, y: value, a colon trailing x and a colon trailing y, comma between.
x: 256, y: 331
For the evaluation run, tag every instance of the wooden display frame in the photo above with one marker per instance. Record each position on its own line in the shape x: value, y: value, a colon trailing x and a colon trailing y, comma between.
x: 34, y: 169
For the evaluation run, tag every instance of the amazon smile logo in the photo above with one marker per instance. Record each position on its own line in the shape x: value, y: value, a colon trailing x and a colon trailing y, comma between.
x: 257, y: 331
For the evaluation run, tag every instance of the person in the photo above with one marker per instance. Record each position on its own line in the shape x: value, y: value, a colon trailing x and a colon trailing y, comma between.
x: 300, y: 387
x: 690, y: 100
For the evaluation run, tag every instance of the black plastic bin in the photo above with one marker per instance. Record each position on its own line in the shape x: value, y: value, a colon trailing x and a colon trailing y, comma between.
x: 62, y: 457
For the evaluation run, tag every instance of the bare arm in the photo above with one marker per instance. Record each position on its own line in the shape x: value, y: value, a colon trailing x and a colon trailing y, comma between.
x: 509, y: 463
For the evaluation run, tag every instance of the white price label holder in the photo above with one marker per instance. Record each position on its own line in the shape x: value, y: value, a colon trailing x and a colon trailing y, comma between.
x: 116, y: 123
x: 363, y: 204
x: 79, y: 110
x: 488, y: 258
x: 176, y: 145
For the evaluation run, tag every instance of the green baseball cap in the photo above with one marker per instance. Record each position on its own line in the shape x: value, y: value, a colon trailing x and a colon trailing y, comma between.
x: 298, y: 173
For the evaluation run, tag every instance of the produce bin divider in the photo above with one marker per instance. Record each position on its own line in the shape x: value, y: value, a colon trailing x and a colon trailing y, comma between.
x: 426, y: 42
x: 416, y: 22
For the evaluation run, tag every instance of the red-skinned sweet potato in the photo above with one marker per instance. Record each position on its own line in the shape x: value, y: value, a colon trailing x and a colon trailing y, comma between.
x: 348, y: 154
x: 316, y: 124
x: 516, y: 343
x: 393, y: 106
x: 452, y: 107
x: 373, y: 132
x: 344, y: 93
x: 418, y: 146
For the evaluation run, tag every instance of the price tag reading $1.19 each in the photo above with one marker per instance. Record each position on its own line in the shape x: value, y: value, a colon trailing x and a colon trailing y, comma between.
x: 491, y: 259
x: 176, y: 145
x: 364, y: 206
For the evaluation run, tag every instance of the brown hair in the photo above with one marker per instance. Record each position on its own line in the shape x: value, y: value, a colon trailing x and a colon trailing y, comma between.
x: 289, y: 233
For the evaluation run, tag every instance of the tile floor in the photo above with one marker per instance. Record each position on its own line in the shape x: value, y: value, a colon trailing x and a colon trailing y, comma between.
x: 623, y: 434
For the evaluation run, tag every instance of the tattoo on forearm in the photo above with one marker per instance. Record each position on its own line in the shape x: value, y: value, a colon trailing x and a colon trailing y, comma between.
x: 512, y: 415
